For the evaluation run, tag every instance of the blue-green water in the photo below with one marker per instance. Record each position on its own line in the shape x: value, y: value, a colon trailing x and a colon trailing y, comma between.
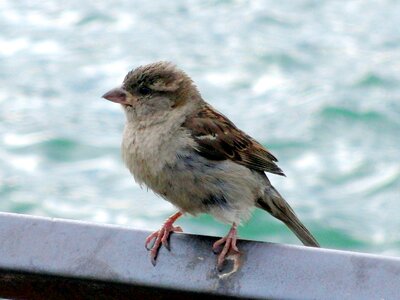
x: 318, y: 82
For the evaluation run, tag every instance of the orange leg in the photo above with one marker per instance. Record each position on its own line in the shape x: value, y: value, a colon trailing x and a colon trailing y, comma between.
x: 160, y: 237
x: 229, y: 248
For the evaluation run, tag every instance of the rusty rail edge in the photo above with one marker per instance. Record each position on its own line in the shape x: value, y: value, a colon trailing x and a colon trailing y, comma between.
x: 43, y: 258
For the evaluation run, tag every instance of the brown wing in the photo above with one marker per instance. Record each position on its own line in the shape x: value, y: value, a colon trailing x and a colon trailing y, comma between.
x: 219, y: 139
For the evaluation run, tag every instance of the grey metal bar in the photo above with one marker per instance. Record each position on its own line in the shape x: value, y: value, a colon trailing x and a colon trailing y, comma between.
x: 42, y: 252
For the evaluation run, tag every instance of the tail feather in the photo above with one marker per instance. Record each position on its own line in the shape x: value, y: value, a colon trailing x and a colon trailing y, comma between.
x: 274, y: 203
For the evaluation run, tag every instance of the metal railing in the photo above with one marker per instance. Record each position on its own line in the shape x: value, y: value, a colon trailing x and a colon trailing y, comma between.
x: 42, y: 258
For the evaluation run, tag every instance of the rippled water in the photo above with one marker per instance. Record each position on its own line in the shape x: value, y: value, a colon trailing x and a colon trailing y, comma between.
x: 316, y: 81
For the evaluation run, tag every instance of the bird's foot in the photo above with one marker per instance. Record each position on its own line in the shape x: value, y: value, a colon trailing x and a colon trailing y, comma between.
x: 161, y: 236
x: 229, y: 250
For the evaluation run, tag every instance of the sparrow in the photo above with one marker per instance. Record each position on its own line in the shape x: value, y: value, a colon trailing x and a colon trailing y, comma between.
x: 187, y: 152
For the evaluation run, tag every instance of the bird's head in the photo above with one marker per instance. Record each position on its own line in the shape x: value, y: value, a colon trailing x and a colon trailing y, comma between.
x: 153, y: 88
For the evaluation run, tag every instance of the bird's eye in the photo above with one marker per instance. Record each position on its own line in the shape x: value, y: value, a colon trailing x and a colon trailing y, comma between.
x: 144, y: 90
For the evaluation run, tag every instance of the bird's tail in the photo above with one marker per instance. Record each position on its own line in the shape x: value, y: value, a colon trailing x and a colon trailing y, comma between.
x: 274, y: 203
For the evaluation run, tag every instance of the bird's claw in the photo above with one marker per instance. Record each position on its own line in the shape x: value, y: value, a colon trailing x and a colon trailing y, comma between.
x: 158, y: 238
x: 229, y: 248
x: 150, y: 238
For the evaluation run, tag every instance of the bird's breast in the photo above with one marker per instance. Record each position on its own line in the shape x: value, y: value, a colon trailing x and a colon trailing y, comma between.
x: 146, y: 152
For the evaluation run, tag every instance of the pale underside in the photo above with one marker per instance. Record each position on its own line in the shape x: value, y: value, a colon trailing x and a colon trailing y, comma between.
x: 194, y: 184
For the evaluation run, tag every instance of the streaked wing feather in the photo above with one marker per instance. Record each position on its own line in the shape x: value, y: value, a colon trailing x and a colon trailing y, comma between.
x: 219, y: 139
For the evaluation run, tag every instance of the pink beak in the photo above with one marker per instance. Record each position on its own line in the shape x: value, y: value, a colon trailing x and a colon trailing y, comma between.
x: 117, y: 95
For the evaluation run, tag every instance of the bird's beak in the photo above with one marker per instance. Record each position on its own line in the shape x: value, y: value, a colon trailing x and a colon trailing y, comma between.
x: 117, y: 95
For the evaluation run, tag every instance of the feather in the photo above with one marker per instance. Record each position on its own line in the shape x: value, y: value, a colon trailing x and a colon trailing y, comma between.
x: 217, y: 138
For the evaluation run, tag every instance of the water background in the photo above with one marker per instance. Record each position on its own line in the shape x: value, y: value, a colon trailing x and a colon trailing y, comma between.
x: 318, y: 82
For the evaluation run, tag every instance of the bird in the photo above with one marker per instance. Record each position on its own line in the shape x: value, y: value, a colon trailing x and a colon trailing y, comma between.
x: 184, y: 150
